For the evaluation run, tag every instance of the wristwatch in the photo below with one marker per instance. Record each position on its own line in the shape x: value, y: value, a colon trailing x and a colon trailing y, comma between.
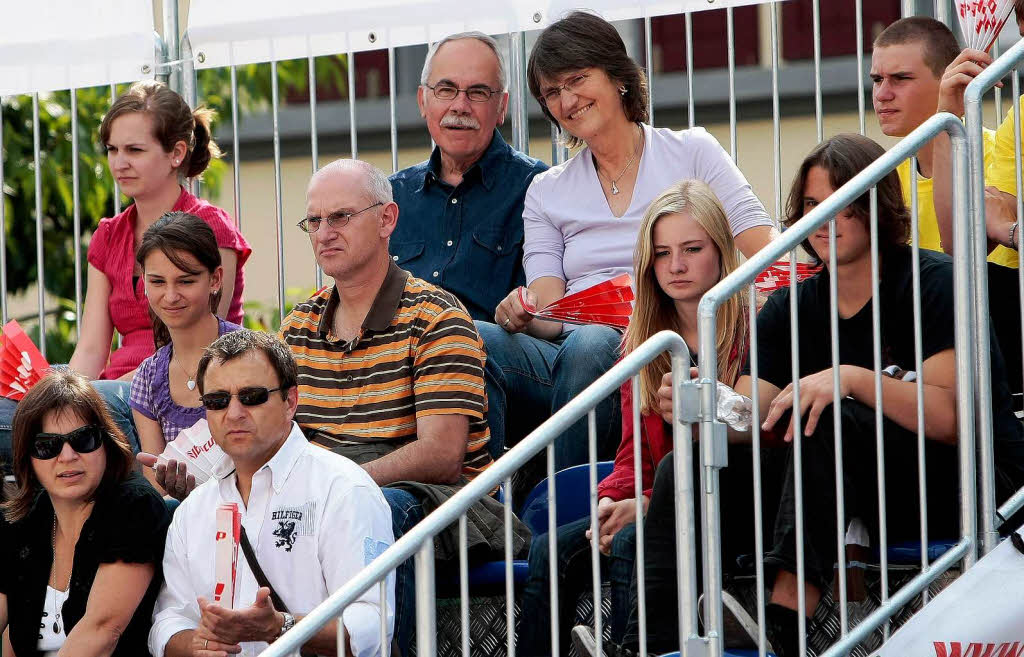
x: 287, y: 624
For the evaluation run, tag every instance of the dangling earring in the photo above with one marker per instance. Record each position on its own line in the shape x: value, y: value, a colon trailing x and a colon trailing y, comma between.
x: 622, y: 91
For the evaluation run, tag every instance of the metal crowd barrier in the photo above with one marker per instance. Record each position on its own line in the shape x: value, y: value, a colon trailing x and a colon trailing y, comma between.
x: 419, y: 541
x: 965, y: 358
x: 990, y: 516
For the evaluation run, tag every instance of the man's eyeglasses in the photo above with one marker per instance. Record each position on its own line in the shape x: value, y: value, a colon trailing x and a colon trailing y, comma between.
x: 83, y: 440
x: 474, y: 94
x: 218, y: 401
x: 335, y: 220
x: 572, y: 85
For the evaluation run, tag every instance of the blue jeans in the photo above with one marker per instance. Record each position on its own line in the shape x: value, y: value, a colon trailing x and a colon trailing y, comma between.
x: 406, y: 511
x: 114, y: 393
x: 574, y: 578
x: 529, y: 379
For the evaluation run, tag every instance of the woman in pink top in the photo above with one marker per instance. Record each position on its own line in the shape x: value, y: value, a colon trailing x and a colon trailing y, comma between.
x: 154, y: 142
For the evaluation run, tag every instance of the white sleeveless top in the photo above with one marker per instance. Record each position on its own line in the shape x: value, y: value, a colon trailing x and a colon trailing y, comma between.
x: 49, y: 640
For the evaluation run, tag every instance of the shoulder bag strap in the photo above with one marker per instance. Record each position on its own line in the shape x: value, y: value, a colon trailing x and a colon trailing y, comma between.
x: 261, y: 577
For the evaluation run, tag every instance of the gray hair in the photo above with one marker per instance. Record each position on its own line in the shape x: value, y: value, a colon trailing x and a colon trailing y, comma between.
x: 378, y: 187
x: 479, y: 36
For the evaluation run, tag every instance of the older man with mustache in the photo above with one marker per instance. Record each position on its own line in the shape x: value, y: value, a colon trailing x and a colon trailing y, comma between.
x: 462, y: 210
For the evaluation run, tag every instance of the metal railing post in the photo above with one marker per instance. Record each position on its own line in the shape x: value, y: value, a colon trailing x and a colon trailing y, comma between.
x: 172, y: 44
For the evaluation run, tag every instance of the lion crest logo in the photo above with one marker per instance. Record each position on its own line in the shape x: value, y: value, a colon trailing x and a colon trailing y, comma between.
x: 285, y: 533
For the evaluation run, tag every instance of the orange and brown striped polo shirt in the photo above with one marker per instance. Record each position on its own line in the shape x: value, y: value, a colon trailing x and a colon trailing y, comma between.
x: 418, y: 354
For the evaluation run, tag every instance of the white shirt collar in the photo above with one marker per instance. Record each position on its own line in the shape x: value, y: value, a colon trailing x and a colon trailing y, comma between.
x: 281, y: 463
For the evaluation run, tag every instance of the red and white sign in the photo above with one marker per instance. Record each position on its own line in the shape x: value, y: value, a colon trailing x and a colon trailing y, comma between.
x: 981, y: 21
x: 608, y: 303
x: 21, y: 364
x: 981, y: 614
x: 229, y: 531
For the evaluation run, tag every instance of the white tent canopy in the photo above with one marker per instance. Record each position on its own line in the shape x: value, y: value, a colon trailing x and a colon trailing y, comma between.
x: 61, y: 44
x: 239, y: 32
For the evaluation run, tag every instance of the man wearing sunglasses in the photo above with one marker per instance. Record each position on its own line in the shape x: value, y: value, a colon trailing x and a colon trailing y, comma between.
x: 391, y: 369
x: 462, y: 210
x: 313, y: 520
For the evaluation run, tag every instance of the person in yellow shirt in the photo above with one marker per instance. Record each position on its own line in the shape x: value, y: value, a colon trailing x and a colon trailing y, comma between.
x: 907, y: 64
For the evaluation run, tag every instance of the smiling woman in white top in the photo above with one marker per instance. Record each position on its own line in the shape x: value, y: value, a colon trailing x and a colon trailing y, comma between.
x: 581, y: 220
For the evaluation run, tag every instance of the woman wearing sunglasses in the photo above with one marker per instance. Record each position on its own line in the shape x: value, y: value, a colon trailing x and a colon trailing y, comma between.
x: 82, y: 535
x: 183, y: 278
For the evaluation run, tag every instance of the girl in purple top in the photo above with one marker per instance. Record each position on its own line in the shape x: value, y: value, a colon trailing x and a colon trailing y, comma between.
x: 183, y: 276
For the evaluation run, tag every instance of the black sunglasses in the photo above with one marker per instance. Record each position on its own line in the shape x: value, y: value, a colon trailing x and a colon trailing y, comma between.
x: 218, y: 401
x: 83, y: 440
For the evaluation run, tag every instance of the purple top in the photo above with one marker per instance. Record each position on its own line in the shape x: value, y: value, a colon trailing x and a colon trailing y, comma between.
x: 151, y: 391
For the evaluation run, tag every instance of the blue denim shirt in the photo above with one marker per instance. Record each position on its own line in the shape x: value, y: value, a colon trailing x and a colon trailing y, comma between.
x: 467, y: 239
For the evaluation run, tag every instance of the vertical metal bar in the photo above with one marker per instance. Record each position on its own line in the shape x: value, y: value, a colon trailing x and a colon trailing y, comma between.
x: 907, y: 8
x: 684, y: 493
x: 3, y: 223
x: 342, y: 634
x: 351, y: 66
x: 236, y: 173
x: 638, y: 495
x: 189, y: 88
x: 314, y: 144
x: 517, y: 91
x: 559, y: 152
x: 816, y: 19
x: 553, y: 552
x: 982, y: 358
x: 40, y: 262
x: 392, y: 92
x: 76, y: 216
x: 963, y: 309
x: 915, y: 268
x: 464, y: 584
x: 837, y: 425
x: 279, y: 202
x: 384, y: 643
x: 755, y: 426
x: 426, y: 623
x: 690, y: 100
x: 172, y: 35
x: 117, y: 188
x: 709, y: 493
x: 942, y: 11
x: 521, y: 83
x: 510, y: 592
x: 731, y: 50
x: 776, y: 124
x: 649, y: 58
x: 859, y: 10
x: 595, y: 531
x: 798, y: 467
x: 876, y: 333
x: 998, y: 91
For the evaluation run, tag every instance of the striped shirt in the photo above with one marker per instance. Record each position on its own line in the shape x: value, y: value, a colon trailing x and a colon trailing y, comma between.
x: 417, y: 354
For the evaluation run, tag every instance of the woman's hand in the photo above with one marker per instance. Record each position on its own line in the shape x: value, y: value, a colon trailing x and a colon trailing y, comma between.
x: 665, y: 395
x: 510, y: 314
x: 816, y: 394
x: 172, y: 477
x: 613, y: 516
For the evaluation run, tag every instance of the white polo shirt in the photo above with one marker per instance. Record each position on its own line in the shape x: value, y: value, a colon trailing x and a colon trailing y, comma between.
x: 314, y: 520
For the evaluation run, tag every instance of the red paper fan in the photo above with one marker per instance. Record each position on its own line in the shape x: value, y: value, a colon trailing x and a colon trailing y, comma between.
x: 776, y: 276
x: 607, y: 304
x: 21, y: 364
x: 981, y: 21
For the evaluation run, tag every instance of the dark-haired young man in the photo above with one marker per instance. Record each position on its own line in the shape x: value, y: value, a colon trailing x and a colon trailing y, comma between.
x: 313, y: 519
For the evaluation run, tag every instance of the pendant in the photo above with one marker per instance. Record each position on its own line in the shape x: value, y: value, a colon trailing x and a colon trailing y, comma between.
x: 56, y: 628
x: 615, y: 188
x: 190, y: 384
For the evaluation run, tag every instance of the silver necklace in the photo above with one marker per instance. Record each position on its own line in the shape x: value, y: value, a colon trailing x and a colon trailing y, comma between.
x: 56, y: 608
x: 613, y: 181
x: 191, y: 383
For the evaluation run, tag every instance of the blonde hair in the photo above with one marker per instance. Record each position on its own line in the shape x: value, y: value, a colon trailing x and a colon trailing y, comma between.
x: 654, y: 311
